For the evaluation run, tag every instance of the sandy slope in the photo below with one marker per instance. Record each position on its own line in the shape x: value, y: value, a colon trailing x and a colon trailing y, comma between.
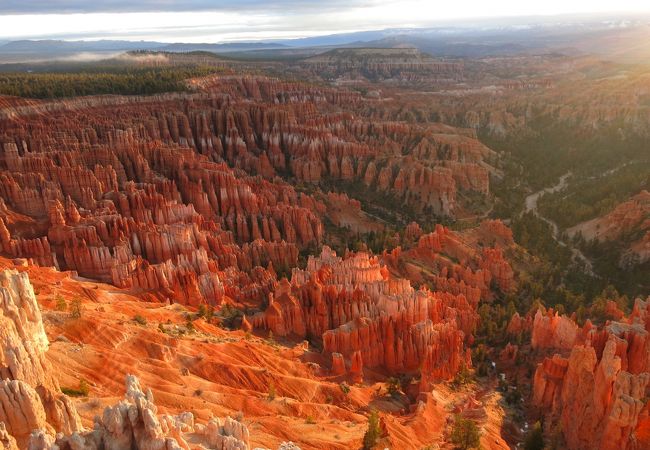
x: 211, y: 371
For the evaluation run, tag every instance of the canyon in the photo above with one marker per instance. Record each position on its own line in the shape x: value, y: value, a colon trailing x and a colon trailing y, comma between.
x: 209, y: 370
x: 280, y: 250
x: 207, y: 199
x: 179, y: 195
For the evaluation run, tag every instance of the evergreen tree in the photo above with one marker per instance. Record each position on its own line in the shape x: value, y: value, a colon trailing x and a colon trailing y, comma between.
x: 465, y: 435
x: 373, y: 433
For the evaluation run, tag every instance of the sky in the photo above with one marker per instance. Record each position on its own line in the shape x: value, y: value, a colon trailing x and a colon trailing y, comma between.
x: 246, y: 20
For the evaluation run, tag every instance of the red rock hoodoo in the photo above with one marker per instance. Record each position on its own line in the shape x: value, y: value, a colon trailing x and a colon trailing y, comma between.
x: 178, y: 195
x: 598, y: 393
x: 363, y: 314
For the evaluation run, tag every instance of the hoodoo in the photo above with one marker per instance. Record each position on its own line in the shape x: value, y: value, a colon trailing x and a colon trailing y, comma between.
x: 409, y: 238
x: 598, y: 392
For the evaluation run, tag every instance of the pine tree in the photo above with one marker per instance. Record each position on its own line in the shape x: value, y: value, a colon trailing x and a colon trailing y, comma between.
x: 465, y: 434
x: 373, y: 433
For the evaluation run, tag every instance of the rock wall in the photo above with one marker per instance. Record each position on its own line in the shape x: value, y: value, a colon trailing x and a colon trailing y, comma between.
x: 628, y: 219
x: 551, y: 330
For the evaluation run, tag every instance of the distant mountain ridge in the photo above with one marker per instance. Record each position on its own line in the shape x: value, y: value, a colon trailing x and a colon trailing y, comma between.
x: 37, y: 46
x: 568, y: 35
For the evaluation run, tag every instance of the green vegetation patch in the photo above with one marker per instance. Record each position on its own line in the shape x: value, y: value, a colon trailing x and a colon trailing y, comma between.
x: 113, y: 80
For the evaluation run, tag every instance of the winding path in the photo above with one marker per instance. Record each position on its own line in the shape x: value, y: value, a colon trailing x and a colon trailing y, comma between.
x: 530, y: 205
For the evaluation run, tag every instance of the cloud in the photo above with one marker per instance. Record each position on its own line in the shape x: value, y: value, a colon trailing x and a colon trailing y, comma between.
x: 107, y: 6
x: 144, y: 58
x: 185, y: 26
x: 238, y: 20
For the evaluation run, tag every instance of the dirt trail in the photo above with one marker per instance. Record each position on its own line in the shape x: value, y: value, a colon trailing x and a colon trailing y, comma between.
x: 530, y: 205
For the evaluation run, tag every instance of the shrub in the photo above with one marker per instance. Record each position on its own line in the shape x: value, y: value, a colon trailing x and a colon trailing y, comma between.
x: 270, y: 340
x: 534, y: 438
x: 84, y: 387
x: 82, y: 391
x: 61, y: 304
x: 463, y: 377
x: 71, y: 392
x: 140, y: 320
x: 482, y: 369
x: 230, y: 316
x: 75, y: 308
x: 465, y: 434
x: 513, y: 397
x: 345, y: 388
x: 373, y: 433
x: 209, y: 313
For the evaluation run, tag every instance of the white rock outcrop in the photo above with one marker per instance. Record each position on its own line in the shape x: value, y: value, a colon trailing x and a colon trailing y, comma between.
x: 30, y: 396
x: 133, y: 423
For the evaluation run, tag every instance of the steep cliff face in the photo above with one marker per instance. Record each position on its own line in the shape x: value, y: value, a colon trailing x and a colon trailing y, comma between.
x: 29, y: 393
x: 598, y: 393
x: 620, y: 221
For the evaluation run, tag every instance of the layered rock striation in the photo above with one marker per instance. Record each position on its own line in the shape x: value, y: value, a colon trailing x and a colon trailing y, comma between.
x: 35, y: 415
